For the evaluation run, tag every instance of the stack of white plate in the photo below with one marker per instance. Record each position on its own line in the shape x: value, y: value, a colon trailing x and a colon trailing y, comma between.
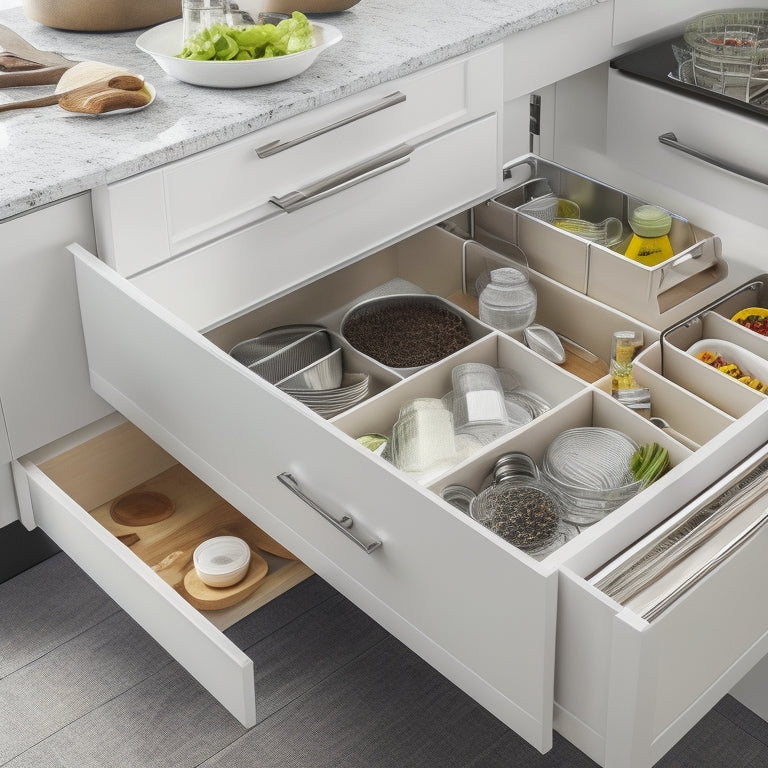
x: 330, y: 402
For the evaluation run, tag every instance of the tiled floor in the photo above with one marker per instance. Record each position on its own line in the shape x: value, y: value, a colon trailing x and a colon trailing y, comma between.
x: 82, y: 686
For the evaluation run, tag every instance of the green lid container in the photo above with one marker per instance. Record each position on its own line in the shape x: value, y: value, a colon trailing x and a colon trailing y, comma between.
x: 650, y: 221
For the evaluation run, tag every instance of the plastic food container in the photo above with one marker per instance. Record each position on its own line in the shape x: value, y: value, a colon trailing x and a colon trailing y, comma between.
x: 222, y: 561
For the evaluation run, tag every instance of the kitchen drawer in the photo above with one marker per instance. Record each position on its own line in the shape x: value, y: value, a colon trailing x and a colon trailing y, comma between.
x: 626, y: 687
x: 286, y: 249
x: 733, y: 179
x: 68, y: 488
x: 387, y: 540
x: 151, y: 217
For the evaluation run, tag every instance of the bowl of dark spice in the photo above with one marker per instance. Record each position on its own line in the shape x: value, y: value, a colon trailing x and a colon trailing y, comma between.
x: 406, y: 332
x: 524, y: 512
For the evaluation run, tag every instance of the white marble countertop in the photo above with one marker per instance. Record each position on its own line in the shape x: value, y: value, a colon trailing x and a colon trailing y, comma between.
x: 47, y: 153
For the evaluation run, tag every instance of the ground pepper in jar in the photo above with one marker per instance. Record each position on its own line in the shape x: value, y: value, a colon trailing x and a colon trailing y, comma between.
x: 524, y: 515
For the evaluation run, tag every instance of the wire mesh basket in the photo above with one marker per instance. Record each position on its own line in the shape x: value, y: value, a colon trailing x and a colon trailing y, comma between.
x: 729, y: 52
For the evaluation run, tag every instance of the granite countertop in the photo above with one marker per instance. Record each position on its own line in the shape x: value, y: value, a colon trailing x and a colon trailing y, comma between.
x: 48, y: 154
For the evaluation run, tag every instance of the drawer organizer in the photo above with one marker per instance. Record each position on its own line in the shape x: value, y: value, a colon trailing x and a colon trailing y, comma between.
x: 656, y: 295
x: 387, y: 539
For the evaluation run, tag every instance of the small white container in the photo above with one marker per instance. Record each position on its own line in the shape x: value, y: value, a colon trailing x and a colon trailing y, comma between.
x: 222, y: 561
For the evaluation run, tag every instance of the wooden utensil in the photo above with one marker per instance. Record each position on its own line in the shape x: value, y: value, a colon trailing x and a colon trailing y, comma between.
x: 93, y: 88
x: 23, y: 64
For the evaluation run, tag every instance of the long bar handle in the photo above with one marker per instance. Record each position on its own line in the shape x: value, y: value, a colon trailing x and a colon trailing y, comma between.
x: 670, y: 140
x: 343, y: 523
x: 343, y: 179
x: 668, y: 598
x: 279, y: 146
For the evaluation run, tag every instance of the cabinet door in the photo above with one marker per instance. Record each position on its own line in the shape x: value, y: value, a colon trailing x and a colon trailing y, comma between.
x: 44, y: 376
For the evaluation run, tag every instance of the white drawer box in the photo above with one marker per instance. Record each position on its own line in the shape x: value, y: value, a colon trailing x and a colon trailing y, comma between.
x: 735, y: 180
x: 153, y: 216
x: 69, y: 486
x: 626, y: 689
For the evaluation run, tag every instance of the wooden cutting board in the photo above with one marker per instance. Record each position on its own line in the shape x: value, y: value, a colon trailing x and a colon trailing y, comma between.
x: 206, y: 598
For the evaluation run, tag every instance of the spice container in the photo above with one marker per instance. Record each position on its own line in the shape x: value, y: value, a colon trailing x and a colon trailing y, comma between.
x: 650, y: 242
x: 524, y: 511
x: 625, y: 346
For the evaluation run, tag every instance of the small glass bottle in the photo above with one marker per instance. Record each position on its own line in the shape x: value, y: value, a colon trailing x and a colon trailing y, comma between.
x: 650, y: 242
x: 624, y: 348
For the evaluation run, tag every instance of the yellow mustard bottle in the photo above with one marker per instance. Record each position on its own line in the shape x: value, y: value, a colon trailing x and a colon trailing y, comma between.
x: 650, y: 242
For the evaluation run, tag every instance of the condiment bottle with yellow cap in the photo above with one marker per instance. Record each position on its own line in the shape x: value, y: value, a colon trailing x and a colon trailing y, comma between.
x: 650, y: 242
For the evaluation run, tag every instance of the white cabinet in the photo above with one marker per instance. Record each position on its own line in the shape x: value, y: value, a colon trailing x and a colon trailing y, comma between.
x: 633, y: 20
x: 43, y: 377
x: 8, y: 508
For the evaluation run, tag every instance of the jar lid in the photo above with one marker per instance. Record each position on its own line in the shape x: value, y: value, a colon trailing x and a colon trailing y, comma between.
x: 650, y: 221
x: 508, y: 277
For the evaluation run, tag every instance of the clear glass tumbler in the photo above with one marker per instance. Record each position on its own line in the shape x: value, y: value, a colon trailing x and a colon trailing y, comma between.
x: 199, y: 14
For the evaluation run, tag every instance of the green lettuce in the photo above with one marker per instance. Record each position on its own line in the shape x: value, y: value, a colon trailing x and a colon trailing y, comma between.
x: 261, y: 41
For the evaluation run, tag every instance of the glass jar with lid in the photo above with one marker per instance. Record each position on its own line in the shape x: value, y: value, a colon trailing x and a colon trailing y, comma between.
x: 508, y: 300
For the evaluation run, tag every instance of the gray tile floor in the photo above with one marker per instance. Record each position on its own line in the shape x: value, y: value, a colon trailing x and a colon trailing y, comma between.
x: 82, y: 686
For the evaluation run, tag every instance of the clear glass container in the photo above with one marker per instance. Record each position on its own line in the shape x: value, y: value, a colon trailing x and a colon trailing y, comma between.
x: 508, y: 300
x: 524, y: 511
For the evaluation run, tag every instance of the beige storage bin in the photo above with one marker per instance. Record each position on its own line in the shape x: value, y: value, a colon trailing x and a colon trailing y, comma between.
x: 695, y: 376
x: 692, y: 420
x: 657, y: 295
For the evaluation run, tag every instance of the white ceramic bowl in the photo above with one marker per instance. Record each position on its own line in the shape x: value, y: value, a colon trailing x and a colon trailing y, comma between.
x: 222, y: 561
x: 162, y: 43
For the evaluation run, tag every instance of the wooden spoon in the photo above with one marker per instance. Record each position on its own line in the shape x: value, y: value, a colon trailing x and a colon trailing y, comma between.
x: 92, y: 88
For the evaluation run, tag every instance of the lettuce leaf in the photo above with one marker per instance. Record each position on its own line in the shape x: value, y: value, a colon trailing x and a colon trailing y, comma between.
x: 261, y: 41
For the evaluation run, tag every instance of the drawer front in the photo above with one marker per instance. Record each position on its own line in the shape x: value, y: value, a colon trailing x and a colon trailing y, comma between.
x: 239, y: 434
x: 628, y: 689
x: 222, y: 668
x: 286, y: 249
x: 193, y: 200
x: 735, y: 179
x: 633, y: 20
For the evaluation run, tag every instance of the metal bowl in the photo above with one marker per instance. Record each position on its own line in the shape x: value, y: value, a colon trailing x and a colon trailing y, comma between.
x: 325, y: 373
x: 407, y: 331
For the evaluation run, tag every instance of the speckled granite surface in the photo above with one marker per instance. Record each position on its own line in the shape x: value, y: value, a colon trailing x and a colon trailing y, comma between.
x: 47, y: 154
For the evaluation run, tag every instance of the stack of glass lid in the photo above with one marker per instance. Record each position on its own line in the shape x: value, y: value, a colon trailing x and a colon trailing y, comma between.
x: 590, y: 467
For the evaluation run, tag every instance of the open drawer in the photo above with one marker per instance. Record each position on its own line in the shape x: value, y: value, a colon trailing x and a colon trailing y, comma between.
x: 70, y: 487
x: 441, y: 582
x: 628, y: 688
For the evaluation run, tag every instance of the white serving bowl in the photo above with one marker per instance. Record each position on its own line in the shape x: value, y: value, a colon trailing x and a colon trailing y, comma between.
x: 222, y: 561
x: 163, y: 42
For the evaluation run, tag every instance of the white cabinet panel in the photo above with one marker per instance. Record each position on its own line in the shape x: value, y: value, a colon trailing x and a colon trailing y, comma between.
x: 43, y: 376
x: 633, y: 20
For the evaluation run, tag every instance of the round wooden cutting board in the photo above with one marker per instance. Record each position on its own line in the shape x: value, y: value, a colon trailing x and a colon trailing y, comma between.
x: 141, y: 508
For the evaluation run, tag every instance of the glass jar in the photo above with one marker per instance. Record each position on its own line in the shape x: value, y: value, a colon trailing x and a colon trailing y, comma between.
x: 524, y: 511
x: 650, y: 242
x: 508, y: 301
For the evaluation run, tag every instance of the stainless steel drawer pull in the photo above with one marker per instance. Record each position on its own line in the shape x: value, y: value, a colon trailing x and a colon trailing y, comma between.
x: 670, y: 140
x: 344, y: 523
x: 278, y: 146
x: 343, y: 179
